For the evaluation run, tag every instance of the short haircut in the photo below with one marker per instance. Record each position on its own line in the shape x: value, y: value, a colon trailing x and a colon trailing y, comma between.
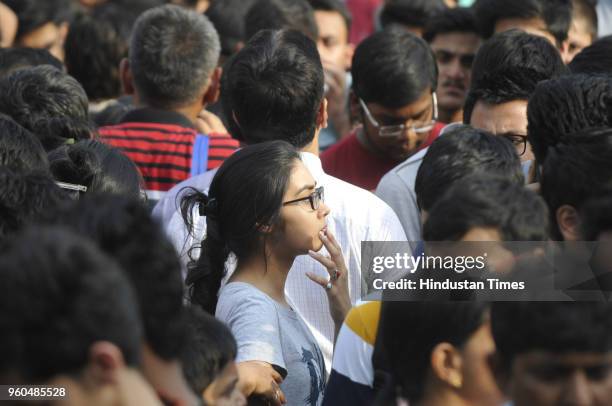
x: 586, y: 10
x: 596, y: 216
x: 579, y: 103
x: 393, y: 68
x: 273, y: 88
x: 33, y: 14
x: 555, y: 327
x: 335, y: 6
x: 485, y: 201
x: 124, y: 230
x: 48, y: 102
x: 596, y: 58
x: 12, y: 59
x: 26, y: 198
x: 451, y: 20
x: 556, y: 14
x: 210, y: 347
x: 414, y: 13
x: 409, y: 331
x: 281, y: 14
x: 97, y: 166
x: 94, y: 50
x: 20, y: 150
x: 62, y: 296
x: 229, y: 17
x: 508, y: 67
x: 462, y: 152
x: 173, y: 52
x: 575, y: 171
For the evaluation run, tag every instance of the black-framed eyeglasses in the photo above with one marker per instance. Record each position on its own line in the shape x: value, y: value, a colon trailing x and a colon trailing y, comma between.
x: 315, y: 199
x: 394, y: 131
x: 519, y: 141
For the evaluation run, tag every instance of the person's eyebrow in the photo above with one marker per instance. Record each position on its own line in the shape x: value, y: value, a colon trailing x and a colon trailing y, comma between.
x: 305, y: 187
x: 511, y: 134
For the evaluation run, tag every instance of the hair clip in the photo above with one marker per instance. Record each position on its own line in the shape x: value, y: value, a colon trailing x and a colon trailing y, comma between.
x: 76, y: 189
x: 70, y: 141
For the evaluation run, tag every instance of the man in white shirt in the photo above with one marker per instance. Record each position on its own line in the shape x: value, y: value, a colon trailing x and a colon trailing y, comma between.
x: 273, y: 90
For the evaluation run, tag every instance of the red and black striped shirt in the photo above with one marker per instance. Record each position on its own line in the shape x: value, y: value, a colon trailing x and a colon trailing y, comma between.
x: 161, y: 144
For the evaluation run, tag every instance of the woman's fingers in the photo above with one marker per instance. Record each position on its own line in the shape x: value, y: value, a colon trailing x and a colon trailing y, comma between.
x: 319, y: 280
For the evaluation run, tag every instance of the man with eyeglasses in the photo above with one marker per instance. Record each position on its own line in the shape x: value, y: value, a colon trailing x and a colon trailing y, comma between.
x: 393, y: 94
x: 454, y: 39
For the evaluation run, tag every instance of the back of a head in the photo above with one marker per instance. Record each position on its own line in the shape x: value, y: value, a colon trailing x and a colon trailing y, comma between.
x: 409, y: 331
x: 518, y: 213
x: 210, y: 347
x: 97, y: 166
x: 596, y: 216
x: 594, y: 59
x: 34, y: 14
x: 553, y: 327
x: 576, y: 170
x: 48, y: 102
x: 173, y: 52
x: 578, y: 103
x: 449, y: 21
x: 281, y: 15
x: 20, y: 150
x: 93, y: 52
x: 12, y: 59
x: 273, y: 89
x: 229, y: 17
x: 61, y: 295
x: 393, y: 68
x: 124, y: 230
x: 411, y: 13
x: 556, y: 14
x: 25, y: 198
x: 460, y: 153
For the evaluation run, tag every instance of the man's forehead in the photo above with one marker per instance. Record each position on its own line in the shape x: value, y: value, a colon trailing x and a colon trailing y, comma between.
x: 456, y: 42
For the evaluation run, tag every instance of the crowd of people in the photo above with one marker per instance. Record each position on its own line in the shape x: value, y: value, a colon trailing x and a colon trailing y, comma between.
x: 186, y: 187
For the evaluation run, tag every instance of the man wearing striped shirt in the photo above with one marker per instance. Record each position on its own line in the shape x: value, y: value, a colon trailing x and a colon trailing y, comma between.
x: 172, y: 74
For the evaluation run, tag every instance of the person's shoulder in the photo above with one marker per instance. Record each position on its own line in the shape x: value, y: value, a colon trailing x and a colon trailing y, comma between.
x: 170, y: 202
x: 346, y: 143
x: 405, y: 172
x: 223, y: 140
x: 363, y: 320
x: 244, y: 296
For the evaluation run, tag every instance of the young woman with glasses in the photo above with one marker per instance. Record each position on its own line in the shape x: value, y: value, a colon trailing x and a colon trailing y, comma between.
x: 262, y: 211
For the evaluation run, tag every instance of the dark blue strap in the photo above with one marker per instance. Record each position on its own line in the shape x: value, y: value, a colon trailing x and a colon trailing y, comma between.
x: 199, y: 158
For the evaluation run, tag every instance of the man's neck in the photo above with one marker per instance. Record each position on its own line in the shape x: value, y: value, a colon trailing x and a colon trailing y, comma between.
x: 313, y: 147
x: 450, y: 116
x: 190, y: 111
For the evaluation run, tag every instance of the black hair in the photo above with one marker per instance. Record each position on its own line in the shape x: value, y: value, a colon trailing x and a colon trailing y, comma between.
x: 450, y: 20
x: 508, y: 67
x: 20, y: 150
x: 579, y: 103
x: 63, y: 296
x: 556, y: 327
x: 25, y: 198
x: 336, y: 6
x: 210, y: 347
x: 123, y: 228
x: 575, y: 170
x: 33, y: 14
x: 486, y: 201
x: 173, y: 52
x: 48, y: 102
x: 596, y: 216
x: 229, y: 17
x: 462, y: 152
x: 12, y: 59
x: 235, y: 212
x: 281, y: 14
x: 98, y: 166
x: 556, y: 14
x: 273, y: 88
x: 407, y: 349
x: 93, y: 52
x: 393, y: 68
x: 413, y: 13
x: 596, y: 58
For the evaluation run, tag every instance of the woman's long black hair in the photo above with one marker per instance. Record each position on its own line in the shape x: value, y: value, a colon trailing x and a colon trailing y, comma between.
x: 245, y: 195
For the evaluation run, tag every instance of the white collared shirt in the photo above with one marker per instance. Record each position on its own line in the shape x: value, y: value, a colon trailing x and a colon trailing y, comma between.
x: 356, y: 215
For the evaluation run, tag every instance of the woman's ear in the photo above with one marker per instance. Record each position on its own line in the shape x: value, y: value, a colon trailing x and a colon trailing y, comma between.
x: 568, y: 222
x: 446, y: 365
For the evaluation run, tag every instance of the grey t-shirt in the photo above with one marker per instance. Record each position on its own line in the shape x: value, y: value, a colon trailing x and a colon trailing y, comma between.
x: 268, y: 331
